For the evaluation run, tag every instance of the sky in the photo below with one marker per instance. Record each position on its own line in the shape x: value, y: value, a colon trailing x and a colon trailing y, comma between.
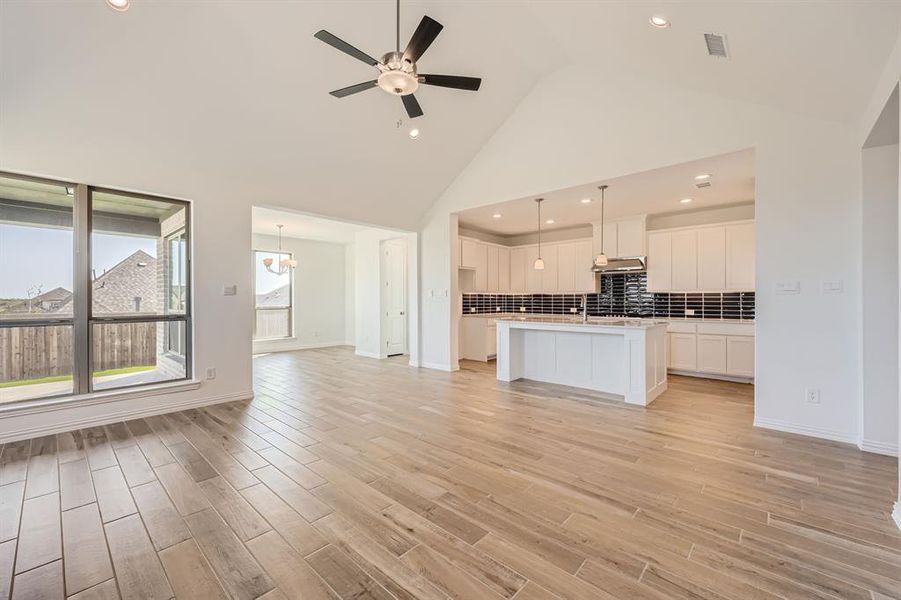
x: 31, y: 256
x: 265, y: 281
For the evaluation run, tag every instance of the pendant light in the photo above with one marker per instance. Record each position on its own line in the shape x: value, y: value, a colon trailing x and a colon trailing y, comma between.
x: 601, y: 259
x: 284, y: 265
x: 539, y: 262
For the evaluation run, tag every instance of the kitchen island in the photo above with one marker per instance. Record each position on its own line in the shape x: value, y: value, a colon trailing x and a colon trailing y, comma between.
x: 623, y: 357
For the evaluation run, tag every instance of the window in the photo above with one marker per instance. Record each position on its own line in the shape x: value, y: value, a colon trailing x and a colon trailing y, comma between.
x: 117, y: 315
x: 273, y: 295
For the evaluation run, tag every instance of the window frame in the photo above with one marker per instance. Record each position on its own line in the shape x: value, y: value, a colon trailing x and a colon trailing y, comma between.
x: 82, y: 319
x: 186, y: 317
x: 289, y: 308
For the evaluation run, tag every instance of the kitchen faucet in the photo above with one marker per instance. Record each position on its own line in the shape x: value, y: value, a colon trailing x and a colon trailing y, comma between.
x: 584, y: 308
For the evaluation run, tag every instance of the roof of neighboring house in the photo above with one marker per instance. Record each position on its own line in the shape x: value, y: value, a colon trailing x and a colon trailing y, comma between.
x: 134, y: 277
x: 116, y: 289
x: 277, y: 297
x: 59, y: 294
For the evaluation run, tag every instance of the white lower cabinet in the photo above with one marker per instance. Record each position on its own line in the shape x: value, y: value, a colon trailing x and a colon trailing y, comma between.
x: 478, y: 338
x: 683, y: 351
x: 712, y: 354
x: 711, y: 348
x: 740, y: 356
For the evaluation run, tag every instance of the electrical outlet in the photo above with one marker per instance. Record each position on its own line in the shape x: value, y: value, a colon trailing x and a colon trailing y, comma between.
x: 522, y: 309
x: 812, y: 395
x: 573, y: 309
x: 211, y: 373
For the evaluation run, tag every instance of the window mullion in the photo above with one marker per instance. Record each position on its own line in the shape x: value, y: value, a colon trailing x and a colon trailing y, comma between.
x: 81, y: 300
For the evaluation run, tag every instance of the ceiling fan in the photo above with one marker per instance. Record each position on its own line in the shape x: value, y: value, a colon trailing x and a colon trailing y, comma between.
x: 397, y: 70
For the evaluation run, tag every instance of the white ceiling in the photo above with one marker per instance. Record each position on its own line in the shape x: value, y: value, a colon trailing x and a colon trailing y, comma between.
x: 305, y: 227
x: 228, y: 100
x: 651, y: 192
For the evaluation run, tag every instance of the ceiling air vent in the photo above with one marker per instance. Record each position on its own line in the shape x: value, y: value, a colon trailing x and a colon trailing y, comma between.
x: 702, y: 184
x: 716, y: 45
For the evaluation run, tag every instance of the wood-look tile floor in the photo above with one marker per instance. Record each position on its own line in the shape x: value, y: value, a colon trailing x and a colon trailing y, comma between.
x: 347, y: 477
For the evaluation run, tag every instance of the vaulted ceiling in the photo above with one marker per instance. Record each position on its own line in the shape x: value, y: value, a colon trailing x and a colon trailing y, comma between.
x: 227, y: 101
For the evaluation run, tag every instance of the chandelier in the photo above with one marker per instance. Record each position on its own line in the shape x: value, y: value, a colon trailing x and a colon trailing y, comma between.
x: 285, y: 264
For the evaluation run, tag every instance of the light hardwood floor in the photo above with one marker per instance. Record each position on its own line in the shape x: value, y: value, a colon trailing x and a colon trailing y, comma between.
x: 349, y: 478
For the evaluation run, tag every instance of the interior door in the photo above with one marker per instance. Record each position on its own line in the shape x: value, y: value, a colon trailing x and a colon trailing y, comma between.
x: 394, y: 285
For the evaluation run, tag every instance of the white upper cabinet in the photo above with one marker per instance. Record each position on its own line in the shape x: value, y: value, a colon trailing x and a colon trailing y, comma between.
x: 712, y: 258
x: 566, y: 267
x: 492, y: 269
x: 610, y: 239
x: 518, y: 270
x: 533, y: 277
x: 685, y: 260
x: 709, y: 258
x: 630, y: 236
x: 468, y: 253
x: 622, y: 237
x: 503, y: 269
x: 740, y: 250
x: 481, y: 267
x: 549, y: 274
x: 584, y: 278
x: 660, y: 261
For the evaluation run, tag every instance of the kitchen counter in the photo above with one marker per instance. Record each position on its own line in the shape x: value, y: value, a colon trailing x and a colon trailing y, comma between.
x: 623, y: 357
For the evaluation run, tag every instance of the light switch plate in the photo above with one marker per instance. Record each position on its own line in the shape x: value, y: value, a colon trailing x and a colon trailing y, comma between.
x: 787, y: 287
x: 833, y: 287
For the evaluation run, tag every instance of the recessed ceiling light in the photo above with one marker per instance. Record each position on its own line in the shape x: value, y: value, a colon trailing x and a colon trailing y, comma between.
x: 586, y: 200
x: 496, y: 216
x: 120, y: 5
x: 659, y: 22
x: 685, y: 200
x: 702, y: 177
x: 550, y: 221
x: 414, y: 133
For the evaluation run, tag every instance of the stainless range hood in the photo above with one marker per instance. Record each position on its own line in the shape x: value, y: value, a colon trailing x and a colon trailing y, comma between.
x: 625, y: 264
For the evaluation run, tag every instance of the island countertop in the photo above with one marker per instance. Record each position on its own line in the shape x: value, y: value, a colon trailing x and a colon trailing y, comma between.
x: 593, y: 323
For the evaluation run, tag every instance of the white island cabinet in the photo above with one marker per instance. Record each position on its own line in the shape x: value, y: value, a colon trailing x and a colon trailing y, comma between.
x: 622, y: 357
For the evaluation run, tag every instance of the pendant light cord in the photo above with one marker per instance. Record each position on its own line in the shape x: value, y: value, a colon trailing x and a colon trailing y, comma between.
x: 539, y: 227
x: 397, y: 38
x: 603, y: 189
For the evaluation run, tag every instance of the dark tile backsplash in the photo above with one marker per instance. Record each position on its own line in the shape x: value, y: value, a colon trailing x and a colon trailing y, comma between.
x: 621, y: 294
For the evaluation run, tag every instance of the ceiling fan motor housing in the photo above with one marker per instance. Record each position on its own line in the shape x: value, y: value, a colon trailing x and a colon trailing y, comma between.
x: 398, y: 75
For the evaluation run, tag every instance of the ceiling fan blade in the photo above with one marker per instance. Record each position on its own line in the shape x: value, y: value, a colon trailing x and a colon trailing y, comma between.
x: 412, y: 106
x: 343, y: 46
x: 452, y: 81
x: 423, y: 37
x: 353, y: 89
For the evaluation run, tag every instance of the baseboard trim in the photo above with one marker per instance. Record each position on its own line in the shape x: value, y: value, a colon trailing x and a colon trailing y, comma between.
x: 825, y: 434
x: 896, y: 514
x: 700, y: 375
x: 274, y: 346
x: 438, y: 366
x: 365, y: 354
x: 116, y: 416
x: 878, y: 447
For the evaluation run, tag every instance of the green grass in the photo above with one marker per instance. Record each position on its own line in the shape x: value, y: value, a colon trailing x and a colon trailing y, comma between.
x: 122, y: 371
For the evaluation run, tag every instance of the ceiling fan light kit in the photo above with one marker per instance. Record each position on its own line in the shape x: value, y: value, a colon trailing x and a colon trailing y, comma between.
x: 398, y: 75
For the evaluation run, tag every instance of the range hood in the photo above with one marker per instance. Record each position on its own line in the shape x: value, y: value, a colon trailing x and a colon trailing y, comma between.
x: 625, y: 264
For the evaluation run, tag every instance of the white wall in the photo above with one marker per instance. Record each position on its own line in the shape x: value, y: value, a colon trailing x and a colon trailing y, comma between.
x: 574, y: 128
x: 350, y: 274
x: 879, y: 295
x: 319, y: 294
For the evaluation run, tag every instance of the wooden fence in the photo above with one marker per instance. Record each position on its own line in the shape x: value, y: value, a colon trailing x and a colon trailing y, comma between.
x: 36, y: 352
